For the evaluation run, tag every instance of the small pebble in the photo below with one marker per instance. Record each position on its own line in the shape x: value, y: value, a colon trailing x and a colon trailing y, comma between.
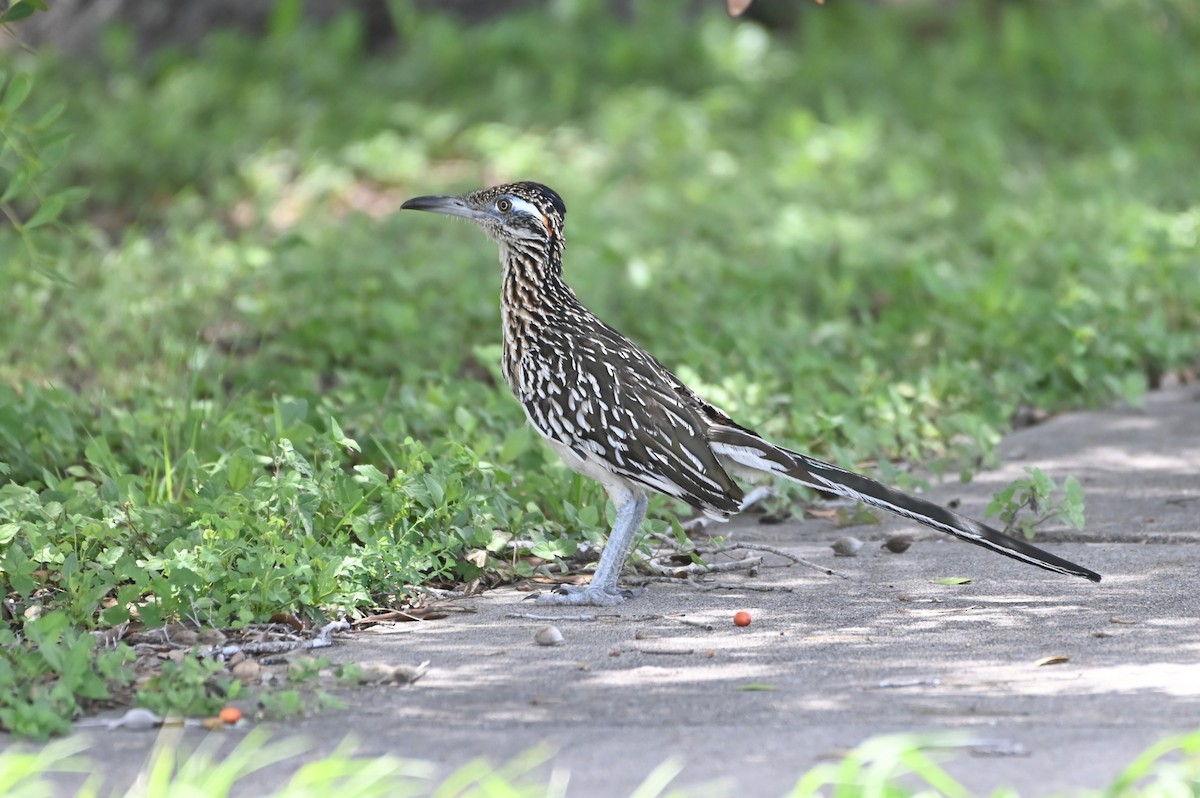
x: 548, y: 636
x: 897, y: 544
x: 180, y: 634
x: 846, y: 547
x: 136, y: 719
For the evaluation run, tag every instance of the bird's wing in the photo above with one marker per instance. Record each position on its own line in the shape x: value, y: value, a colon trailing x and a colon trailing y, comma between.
x: 609, y: 400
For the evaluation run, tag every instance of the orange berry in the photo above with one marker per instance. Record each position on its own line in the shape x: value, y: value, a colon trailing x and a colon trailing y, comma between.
x: 742, y: 618
x: 230, y: 715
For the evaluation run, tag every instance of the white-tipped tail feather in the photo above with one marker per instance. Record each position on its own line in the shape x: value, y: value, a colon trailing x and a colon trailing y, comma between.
x: 741, y: 449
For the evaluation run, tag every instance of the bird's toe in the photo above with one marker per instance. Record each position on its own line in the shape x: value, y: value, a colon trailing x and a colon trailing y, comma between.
x: 586, y: 596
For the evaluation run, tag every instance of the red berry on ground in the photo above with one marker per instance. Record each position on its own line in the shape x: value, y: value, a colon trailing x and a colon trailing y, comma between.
x: 742, y: 618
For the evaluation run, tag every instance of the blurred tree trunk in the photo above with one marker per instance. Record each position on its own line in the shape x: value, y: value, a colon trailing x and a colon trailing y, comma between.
x: 73, y: 26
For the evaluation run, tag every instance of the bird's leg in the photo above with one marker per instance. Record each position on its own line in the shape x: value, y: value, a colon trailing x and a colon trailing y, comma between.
x: 620, y: 543
x: 603, y: 590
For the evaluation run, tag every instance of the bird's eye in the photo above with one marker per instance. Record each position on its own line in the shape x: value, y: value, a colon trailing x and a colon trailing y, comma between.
x: 504, y: 205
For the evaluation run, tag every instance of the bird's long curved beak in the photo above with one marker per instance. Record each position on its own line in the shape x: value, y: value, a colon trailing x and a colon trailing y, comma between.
x: 451, y: 206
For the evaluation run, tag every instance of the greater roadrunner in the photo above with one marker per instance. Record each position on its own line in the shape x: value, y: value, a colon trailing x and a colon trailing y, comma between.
x: 617, y: 415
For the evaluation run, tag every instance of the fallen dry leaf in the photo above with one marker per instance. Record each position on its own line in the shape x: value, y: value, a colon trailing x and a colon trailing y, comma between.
x: 288, y: 619
x: 1054, y: 659
x: 377, y: 673
x: 569, y: 579
x: 387, y: 628
x: 409, y: 615
x: 824, y: 513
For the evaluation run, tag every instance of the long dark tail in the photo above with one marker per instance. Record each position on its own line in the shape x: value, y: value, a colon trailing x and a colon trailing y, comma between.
x: 749, y: 451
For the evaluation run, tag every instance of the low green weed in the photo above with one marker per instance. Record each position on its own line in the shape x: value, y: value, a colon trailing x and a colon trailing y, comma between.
x: 189, y: 687
x: 1037, y: 494
x: 52, y: 674
x: 1170, y: 767
x: 897, y: 766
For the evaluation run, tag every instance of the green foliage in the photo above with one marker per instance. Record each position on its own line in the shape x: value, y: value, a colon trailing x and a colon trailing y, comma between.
x: 48, y: 676
x: 876, y: 766
x: 1170, y: 767
x: 251, y: 526
x: 236, y: 384
x: 197, y: 687
x: 895, y: 766
x: 1036, y: 493
x: 904, y: 765
x: 291, y: 703
x: 31, y: 145
x: 191, y: 687
x: 18, y: 10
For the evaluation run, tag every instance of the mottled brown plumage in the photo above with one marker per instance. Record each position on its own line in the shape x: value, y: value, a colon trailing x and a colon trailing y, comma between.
x: 614, y: 413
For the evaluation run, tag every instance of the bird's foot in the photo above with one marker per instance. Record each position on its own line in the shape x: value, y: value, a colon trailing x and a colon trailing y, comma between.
x: 586, y: 595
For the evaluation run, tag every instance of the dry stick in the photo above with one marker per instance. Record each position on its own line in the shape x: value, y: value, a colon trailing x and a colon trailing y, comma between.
x: 529, y: 616
x: 785, y: 554
x: 439, y: 593
x: 749, y: 587
x: 324, y: 639
x: 705, y: 625
x: 703, y: 568
x: 745, y: 586
x: 643, y: 580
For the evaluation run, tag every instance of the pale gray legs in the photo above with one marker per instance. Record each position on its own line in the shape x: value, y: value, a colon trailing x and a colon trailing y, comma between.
x: 603, y: 590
